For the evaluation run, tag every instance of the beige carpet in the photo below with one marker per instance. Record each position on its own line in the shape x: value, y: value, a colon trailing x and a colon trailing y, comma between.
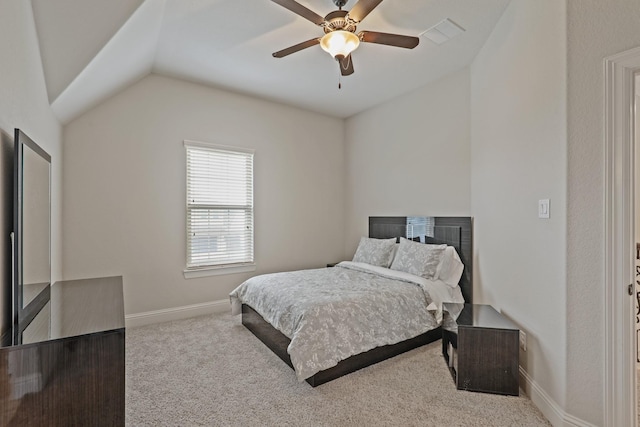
x: 211, y: 371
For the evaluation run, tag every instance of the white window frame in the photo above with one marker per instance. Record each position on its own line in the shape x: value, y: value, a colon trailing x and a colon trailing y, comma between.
x: 202, y: 270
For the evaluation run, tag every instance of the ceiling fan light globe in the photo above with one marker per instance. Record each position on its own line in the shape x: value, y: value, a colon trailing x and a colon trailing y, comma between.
x: 339, y: 43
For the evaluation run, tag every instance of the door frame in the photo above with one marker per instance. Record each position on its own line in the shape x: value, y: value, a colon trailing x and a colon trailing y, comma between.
x: 619, y: 269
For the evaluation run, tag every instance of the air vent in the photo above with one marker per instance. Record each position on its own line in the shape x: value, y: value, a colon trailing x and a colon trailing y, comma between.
x: 443, y: 31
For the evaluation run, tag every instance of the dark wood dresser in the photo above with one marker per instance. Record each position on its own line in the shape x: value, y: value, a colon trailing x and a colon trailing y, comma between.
x: 70, y: 369
x: 481, y: 348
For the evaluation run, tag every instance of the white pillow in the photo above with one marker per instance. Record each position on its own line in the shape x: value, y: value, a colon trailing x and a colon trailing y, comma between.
x: 417, y: 258
x: 375, y: 251
x: 450, y: 268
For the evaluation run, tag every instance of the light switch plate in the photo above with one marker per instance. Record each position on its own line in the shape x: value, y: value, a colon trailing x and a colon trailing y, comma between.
x: 543, y: 208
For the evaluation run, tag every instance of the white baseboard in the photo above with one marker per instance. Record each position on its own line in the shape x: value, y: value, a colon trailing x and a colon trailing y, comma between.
x: 556, y: 415
x: 176, y: 313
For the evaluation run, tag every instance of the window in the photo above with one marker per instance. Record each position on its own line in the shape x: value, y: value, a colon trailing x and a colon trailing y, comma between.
x: 219, y: 206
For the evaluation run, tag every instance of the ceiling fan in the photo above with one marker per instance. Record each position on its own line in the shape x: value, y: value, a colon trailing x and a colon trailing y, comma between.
x: 339, y: 26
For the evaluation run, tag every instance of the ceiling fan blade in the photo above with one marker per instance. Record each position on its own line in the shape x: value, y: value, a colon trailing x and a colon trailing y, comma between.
x: 295, y: 48
x: 299, y: 9
x: 361, y: 9
x: 346, y: 66
x: 397, y: 40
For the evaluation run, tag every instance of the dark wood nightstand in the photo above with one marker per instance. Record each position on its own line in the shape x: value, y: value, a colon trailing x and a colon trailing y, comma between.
x: 481, y: 348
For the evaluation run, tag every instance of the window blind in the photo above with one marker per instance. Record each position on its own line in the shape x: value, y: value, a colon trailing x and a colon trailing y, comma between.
x: 219, y: 205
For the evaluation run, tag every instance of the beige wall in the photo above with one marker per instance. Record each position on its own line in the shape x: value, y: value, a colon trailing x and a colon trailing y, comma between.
x: 595, y: 29
x: 409, y: 156
x: 518, y: 139
x: 23, y: 104
x: 125, y: 188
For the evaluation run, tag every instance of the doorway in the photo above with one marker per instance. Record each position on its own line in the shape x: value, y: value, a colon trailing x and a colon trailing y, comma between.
x: 620, y: 247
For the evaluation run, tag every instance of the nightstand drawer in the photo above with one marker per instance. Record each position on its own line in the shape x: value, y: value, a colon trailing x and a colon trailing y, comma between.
x: 490, y: 362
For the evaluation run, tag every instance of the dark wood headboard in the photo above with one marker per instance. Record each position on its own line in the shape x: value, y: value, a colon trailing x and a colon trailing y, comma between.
x: 453, y: 231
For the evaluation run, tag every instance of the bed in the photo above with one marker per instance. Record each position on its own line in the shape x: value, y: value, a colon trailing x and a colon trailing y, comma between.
x: 325, y: 323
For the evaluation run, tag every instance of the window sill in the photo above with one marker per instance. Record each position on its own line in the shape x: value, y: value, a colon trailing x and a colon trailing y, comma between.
x: 217, y: 271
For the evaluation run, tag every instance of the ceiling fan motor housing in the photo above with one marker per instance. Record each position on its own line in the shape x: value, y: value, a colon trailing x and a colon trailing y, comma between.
x: 338, y: 20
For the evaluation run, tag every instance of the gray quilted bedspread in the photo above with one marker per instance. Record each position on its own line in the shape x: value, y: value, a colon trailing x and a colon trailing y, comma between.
x: 331, y: 314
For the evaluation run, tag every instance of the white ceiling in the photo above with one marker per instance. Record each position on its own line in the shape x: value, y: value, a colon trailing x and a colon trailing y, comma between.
x: 93, y: 48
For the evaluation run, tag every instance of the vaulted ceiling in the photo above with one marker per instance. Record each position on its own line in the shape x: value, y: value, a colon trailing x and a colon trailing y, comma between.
x: 91, y: 49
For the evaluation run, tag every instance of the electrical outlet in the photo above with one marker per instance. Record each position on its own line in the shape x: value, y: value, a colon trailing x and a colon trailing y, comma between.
x: 523, y: 341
